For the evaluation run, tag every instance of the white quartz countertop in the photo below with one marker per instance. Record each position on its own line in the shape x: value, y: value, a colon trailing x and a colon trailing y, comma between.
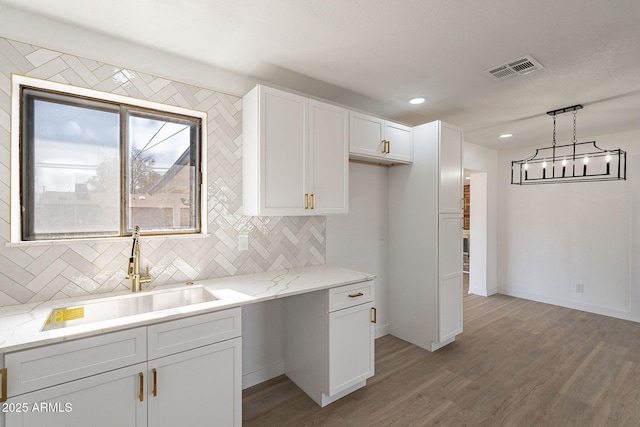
x: 20, y: 325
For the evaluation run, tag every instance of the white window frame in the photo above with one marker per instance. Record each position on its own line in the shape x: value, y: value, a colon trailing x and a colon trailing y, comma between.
x: 18, y: 81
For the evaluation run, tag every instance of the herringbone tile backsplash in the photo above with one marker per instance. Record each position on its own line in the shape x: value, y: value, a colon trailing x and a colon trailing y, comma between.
x: 42, y: 272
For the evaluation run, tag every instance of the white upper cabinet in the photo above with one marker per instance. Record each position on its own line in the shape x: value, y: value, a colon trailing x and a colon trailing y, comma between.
x: 295, y: 155
x: 366, y: 137
x: 328, y: 158
x: 380, y: 141
x: 399, y: 142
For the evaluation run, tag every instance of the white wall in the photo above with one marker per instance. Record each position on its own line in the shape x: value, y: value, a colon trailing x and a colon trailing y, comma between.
x: 262, y: 342
x: 358, y: 240
x: 552, y: 237
x: 481, y: 159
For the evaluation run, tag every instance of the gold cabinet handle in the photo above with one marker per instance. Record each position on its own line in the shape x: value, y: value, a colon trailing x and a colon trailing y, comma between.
x: 313, y: 201
x: 155, y: 382
x: 3, y: 395
x: 359, y: 294
x: 384, y: 146
x: 375, y: 315
x: 141, y: 377
x: 388, y: 147
x: 306, y: 201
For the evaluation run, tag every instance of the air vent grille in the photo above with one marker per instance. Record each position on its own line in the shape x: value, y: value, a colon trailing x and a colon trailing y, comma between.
x: 519, y: 66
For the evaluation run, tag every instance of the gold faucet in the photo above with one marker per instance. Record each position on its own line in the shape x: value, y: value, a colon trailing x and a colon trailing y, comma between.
x: 133, y: 272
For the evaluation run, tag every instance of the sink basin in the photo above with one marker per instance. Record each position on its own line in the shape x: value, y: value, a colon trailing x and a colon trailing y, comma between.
x: 128, y: 305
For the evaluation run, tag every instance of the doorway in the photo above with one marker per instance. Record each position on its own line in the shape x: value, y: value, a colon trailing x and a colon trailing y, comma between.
x: 475, y: 232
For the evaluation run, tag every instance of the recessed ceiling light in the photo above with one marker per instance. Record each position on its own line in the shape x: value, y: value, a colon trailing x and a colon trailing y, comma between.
x: 506, y: 135
x: 416, y: 101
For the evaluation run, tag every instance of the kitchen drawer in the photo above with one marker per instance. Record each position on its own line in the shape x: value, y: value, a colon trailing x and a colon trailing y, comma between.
x: 41, y: 367
x: 185, y: 334
x: 350, y: 295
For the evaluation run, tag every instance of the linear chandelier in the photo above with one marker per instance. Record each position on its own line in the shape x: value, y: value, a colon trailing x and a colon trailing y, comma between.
x: 575, y: 162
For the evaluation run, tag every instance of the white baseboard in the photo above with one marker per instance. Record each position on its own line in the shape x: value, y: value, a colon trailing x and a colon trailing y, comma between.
x: 590, y: 308
x: 261, y: 375
x: 438, y: 345
x: 381, y: 331
x: 326, y: 400
x: 276, y: 369
x: 483, y: 292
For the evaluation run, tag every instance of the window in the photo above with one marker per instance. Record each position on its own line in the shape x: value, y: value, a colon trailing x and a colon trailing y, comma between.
x: 95, y: 167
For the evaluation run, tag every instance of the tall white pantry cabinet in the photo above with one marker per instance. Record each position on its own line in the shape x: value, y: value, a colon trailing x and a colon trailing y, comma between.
x: 425, y: 239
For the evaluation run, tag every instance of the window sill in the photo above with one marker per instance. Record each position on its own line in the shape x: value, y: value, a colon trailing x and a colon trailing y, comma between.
x: 97, y: 240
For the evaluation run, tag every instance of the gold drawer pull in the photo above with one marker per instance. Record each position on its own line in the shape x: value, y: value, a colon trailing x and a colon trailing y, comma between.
x: 3, y: 396
x: 141, y: 376
x: 375, y: 315
x: 155, y: 382
x: 359, y: 294
x: 306, y: 201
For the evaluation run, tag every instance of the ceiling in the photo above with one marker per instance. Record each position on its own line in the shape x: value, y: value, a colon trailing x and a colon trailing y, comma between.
x: 389, y: 51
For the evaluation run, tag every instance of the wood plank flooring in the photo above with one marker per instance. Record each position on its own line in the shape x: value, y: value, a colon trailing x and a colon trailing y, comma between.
x: 518, y: 363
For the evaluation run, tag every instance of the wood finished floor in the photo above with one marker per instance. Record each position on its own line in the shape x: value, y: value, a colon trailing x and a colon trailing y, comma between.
x: 518, y: 363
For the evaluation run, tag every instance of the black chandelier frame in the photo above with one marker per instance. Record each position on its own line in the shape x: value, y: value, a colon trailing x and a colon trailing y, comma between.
x: 574, y: 162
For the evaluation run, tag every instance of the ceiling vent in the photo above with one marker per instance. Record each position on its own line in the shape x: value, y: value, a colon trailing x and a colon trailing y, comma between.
x: 520, y: 66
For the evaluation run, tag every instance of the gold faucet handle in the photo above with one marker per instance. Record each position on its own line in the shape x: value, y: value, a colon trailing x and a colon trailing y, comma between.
x: 146, y: 278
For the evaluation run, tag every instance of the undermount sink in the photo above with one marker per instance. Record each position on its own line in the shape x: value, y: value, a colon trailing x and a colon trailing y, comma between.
x: 129, y: 305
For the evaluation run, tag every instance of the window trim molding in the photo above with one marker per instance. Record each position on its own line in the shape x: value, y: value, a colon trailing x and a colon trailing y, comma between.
x: 18, y: 81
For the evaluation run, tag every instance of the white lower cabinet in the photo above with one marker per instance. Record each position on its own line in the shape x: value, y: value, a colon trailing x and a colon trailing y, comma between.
x: 104, y: 400
x: 196, y: 388
x: 329, y: 340
x: 195, y: 371
x: 351, y: 353
x: 180, y: 372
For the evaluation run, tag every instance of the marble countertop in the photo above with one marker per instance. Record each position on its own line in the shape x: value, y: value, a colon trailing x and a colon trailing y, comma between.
x: 20, y: 325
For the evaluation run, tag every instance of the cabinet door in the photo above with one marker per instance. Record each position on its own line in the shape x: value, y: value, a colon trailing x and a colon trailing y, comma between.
x: 328, y: 157
x: 104, y: 400
x: 283, y: 123
x: 50, y: 365
x: 351, y: 352
x: 200, y: 387
x: 365, y: 136
x: 450, y: 276
x: 400, y: 139
x: 450, y: 169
